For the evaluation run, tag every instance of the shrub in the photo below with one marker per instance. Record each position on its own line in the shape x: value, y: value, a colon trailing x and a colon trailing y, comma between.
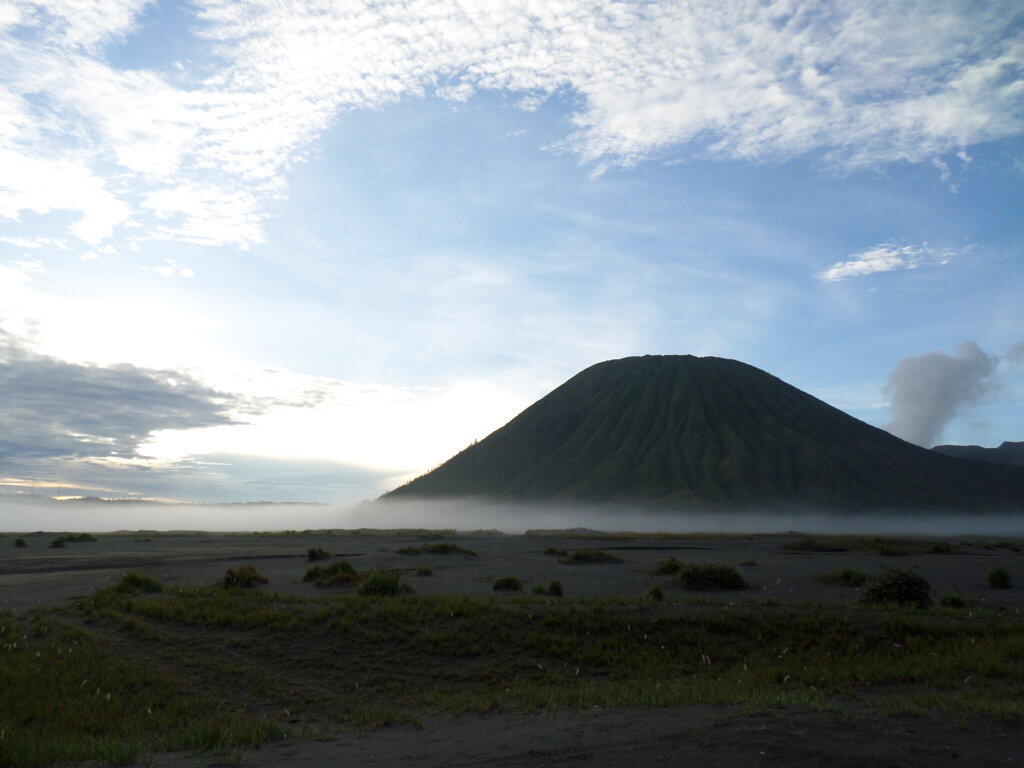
x: 847, y: 577
x: 555, y: 552
x: 941, y: 548
x: 507, y: 584
x: 408, y: 551
x: 20, y: 542
x: 589, y: 557
x: 136, y: 583
x: 655, y: 594
x: 244, y: 577
x: 335, y: 574
x: 315, y: 553
x: 999, y: 578
x: 383, y: 585
x: 953, y: 601
x: 57, y: 543
x: 899, y: 587
x: 539, y: 589
x: 710, y: 576
x: 424, y: 571
x: 668, y: 567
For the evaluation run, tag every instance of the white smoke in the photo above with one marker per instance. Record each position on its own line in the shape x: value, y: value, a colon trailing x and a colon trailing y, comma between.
x: 928, y: 391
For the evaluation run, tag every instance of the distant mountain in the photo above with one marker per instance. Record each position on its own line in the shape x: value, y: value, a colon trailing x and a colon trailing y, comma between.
x: 684, y: 431
x: 1007, y: 453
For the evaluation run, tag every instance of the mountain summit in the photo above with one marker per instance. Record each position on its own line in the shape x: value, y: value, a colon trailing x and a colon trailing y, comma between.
x: 690, y: 432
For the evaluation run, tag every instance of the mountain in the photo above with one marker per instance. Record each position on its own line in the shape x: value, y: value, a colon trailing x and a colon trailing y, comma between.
x: 1007, y: 453
x: 682, y: 431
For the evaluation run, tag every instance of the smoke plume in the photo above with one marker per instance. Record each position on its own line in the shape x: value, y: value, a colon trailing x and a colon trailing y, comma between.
x: 926, y: 392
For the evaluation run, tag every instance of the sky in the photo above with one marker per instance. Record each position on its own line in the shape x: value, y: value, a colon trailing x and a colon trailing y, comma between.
x: 304, y: 251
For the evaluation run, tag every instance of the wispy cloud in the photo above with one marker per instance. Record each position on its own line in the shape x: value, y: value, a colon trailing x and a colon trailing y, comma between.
x: 198, y: 154
x: 886, y: 257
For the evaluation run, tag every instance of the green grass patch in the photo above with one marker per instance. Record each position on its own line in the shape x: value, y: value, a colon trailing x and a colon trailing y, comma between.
x: 589, y: 557
x: 64, y: 697
x: 555, y: 552
x: 361, y: 659
x: 383, y: 585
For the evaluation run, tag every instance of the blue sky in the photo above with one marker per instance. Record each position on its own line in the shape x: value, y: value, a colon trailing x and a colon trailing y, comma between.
x: 343, y: 243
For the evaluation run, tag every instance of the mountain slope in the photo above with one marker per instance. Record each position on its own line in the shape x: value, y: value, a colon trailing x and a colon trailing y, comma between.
x: 683, y: 431
x: 1007, y: 453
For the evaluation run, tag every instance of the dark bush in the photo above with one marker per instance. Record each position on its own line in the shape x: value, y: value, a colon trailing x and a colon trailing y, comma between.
x: 589, y: 557
x: 424, y: 570
x: 383, y: 585
x: 898, y: 587
x: 57, y: 543
x: 408, y: 551
x: 137, y: 583
x: 244, y: 577
x: 941, y: 548
x: 506, y: 584
x: 333, y: 575
x: 20, y: 542
x: 315, y: 553
x: 847, y: 577
x: 555, y: 552
x: 999, y: 578
x: 710, y: 576
x: 668, y: 567
x: 656, y: 594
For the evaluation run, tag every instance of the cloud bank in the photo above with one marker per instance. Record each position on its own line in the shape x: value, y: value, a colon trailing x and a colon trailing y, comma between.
x: 198, y: 150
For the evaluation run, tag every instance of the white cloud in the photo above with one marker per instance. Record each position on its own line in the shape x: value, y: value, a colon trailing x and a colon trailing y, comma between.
x: 171, y: 268
x: 886, y: 257
x: 859, y: 84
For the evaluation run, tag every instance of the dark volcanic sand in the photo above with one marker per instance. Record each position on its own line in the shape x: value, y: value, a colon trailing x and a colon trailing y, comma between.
x: 694, y: 736
x: 39, y: 576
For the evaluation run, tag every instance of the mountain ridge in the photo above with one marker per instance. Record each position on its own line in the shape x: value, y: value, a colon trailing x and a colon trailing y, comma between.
x: 683, y: 431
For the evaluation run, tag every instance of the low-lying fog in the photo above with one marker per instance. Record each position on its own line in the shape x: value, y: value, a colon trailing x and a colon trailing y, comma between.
x: 21, y: 516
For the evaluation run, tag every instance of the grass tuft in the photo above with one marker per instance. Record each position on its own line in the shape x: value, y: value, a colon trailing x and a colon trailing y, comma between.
x: 314, y: 554
x: 506, y: 584
x: 20, y: 542
x: 667, y: 567
x: 656, y: 594
x: 336, y: 574
x: 556, y: 552
x: 383, y: 585
x: 243, y: 577
x: 424, y: 570
x: 136, y: 584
